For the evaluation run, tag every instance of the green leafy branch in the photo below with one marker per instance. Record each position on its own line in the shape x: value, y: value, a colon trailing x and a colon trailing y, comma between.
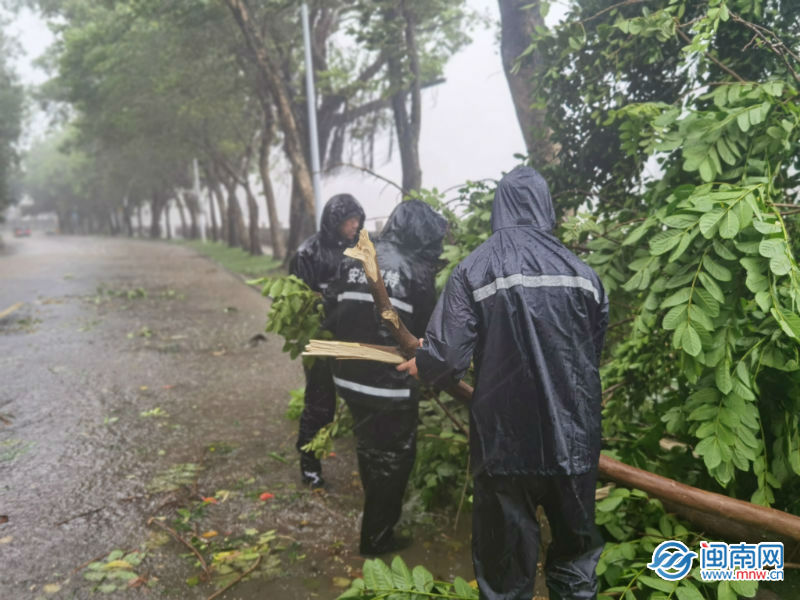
x: 399, y: 583
x: 296, y: 312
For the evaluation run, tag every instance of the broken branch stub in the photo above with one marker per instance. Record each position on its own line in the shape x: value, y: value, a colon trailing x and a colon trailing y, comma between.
x: 364, y: 252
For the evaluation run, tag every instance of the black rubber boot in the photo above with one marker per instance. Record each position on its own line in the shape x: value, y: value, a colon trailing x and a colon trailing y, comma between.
x: 311, y: 471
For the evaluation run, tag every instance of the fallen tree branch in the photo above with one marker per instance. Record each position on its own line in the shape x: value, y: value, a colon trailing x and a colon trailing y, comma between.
x: 754, y: 515
x: 86, y: 513
x: 459, y: 425
x: 669, y: 490
x: 179, y: 539
x: 97, y: 559
x: 237, y: 580
x: 11, y: 309
x: 758, y: 517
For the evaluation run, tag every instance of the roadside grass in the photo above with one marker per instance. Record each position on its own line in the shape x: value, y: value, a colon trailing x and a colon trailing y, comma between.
x: 236, y: 259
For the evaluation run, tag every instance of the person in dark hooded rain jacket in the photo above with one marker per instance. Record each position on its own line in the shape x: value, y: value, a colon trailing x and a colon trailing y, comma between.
x: 532, y: 317
x: 316, y: 262
x: 383, y: 401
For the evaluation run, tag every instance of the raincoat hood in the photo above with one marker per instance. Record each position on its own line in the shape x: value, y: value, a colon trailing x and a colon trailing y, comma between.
x: 317, y: 258
x: 416, y: 228
x: 523, y: 199
x: 337, y: 210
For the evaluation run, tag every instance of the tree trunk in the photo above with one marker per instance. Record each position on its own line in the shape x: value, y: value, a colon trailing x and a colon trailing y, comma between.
x: 216, y: 192
x: 252, y: 216
x: 293, y: 146
x: 518, y: 20
x: 275, y: 233
x: 139, y: 225
x: 415, y: 124
x: 167, y: 219
x: 407, y: 124
x: 157, y: 202
x: 111, y: 222
x: 193, y: 205
x: 237, y: 233
x: 224, y: 229
x: 182, y: 214
x: 213, y: 214
x: 127, y: 221
x: 232, y: 234
x: 301, y: 223
x: 409, y: 158
x: 244, y: 232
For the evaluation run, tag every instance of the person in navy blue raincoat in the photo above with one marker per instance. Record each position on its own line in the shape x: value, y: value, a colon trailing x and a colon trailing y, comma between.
x: 532, y: 317
x: 383, y: 401
x: 317, y: 262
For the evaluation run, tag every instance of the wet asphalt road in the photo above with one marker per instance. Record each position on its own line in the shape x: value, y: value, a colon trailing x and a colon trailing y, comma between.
x: 131, y: 389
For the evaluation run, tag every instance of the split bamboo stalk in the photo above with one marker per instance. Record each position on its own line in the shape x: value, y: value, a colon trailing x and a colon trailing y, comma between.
x: 353, y: 351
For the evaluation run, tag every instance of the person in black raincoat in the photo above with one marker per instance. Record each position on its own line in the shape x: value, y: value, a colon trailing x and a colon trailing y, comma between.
x: 383, y: 401
x: 316, y: 262
x: 532, y: 317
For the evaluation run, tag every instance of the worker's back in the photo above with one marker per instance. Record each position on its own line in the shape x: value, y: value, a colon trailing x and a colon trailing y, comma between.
x: 539, y: 319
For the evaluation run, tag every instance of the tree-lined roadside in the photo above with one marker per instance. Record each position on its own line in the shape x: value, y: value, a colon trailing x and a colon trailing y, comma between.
x: 146, y: 88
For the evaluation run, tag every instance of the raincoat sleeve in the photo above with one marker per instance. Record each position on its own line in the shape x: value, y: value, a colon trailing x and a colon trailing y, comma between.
x: 330, y: 297
x: 451, y: 334
x: 302, y: 266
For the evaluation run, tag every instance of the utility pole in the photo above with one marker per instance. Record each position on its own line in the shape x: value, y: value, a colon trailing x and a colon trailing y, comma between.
x: 312, y: 117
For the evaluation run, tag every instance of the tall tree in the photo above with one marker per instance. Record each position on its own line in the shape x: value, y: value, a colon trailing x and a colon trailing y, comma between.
x: 11, y: 114
x: 275, y: 87
x: 415, y: 38
x: 351, y: 63
x: 524, y: 65
x: 680, y: 122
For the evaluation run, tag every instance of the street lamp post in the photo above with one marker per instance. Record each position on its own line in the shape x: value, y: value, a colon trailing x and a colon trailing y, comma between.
x: 312, y: 117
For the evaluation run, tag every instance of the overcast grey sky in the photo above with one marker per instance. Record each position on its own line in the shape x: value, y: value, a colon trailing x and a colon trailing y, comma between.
x: 469, y: 129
